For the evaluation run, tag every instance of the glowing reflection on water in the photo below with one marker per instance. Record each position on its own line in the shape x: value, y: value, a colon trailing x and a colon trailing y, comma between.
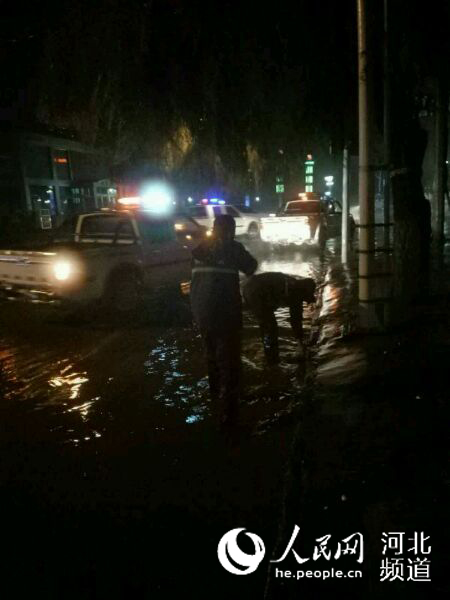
x: 291, y: 267
x: 138, y: 381
x: 73, y: 382
x: 83, y: 409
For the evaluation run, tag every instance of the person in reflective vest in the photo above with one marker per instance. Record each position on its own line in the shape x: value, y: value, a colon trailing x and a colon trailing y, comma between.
x: 265, y: 292
x: 217, y: 310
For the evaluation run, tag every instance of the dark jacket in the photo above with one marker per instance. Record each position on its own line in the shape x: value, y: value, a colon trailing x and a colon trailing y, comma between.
x: 266, y: 292
x: 273, y: 290
x: 215, y: 292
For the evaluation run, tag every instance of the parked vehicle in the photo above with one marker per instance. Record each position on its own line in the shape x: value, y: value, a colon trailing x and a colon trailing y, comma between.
x: 246, y: 224
x: 110, y: 256
x: 306, y: 220
x: 189, y: 232
x: 301, y: 221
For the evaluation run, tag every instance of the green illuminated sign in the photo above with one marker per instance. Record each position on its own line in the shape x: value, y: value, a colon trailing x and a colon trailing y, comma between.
x: 279, y: 188
x: 309, y: 174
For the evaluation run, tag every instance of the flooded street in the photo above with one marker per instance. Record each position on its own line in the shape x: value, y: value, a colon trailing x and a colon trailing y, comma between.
x: 116, y: 483
x: 108, y: 444
x: 82, y: 383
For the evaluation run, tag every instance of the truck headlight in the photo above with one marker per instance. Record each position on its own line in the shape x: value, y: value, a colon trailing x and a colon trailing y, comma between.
x: 62, y: 270
x: 209, y: 233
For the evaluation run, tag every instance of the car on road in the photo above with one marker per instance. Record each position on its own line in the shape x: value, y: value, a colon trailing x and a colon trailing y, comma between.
x: 307, y: 220
x: 109, y: 258
x: 246, y: 224
x: 188, y: 231
x: 301, y: 221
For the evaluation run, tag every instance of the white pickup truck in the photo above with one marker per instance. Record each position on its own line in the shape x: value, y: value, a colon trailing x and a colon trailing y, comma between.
x: 302, y: 221
x: 305, y: 221
x: 108, y: 256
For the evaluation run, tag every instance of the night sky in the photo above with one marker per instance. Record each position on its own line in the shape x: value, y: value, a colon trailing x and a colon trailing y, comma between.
x: 202, y: 90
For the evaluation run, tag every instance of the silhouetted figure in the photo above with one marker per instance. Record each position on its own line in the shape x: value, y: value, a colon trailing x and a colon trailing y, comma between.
x: 217, y: 309
x: 265, y: 292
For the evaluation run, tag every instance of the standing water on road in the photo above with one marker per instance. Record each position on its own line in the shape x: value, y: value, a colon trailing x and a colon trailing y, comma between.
x: 76, y: 382
x: 108, y: 449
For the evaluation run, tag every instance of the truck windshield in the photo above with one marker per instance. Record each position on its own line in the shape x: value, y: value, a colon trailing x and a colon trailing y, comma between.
x: 302, y: 207
x: 106, y: 226
x: 198, y: 212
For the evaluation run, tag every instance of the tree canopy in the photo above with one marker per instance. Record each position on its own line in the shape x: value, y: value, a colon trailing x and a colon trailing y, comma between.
x: 206, y: 91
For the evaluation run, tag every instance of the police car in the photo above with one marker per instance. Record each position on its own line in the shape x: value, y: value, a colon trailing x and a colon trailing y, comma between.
x: 105, y: 258
x: 205, y: 213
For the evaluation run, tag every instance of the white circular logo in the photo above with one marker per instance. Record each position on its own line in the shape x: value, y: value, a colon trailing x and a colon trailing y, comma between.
x: 228, y: 549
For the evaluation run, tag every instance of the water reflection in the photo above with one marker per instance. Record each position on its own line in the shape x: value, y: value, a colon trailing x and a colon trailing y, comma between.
x: 136, y: 383
x: 73, y: 382
x: 83, y: 409
x: 295, y: 265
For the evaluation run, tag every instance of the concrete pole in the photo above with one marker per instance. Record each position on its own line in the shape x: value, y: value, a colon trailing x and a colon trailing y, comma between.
x: 366, y: 206
x: 386, y: 128
x: 345, y: 209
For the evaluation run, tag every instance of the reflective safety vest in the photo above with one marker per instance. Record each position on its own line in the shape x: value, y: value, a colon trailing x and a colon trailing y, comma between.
x: 215, y: 292
x: 215, y: 269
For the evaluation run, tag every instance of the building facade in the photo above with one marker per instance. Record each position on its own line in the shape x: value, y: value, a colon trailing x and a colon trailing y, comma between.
x: 50, y: 178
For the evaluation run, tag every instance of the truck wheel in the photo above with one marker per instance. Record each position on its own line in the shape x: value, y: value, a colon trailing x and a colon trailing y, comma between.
x: 253, y: 231
x: 123, y: 293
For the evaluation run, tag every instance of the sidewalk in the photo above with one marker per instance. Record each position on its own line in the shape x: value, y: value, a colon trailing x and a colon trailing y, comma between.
x: 370, y: 453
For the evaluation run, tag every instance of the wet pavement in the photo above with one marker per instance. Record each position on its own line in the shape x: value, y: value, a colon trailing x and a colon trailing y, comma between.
x: 371, y: 451
x: 115, y: 482
x: 80, y: 382
x: 114, y: 478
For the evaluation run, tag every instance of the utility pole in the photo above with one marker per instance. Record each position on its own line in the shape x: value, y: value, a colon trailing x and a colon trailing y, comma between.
x: 345, y: 211
x: 386, y: 128
x: 366, y: 281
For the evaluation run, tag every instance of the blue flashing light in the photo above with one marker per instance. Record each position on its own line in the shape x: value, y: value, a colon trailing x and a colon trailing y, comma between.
x: 212, y: 201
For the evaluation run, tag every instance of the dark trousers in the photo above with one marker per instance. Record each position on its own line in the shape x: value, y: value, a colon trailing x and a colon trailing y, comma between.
x: 269, y: 332
x: 265, y: 315
x: 223, y: 354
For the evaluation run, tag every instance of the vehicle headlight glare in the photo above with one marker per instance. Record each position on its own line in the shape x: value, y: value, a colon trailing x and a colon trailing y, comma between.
x: 62, y: 270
